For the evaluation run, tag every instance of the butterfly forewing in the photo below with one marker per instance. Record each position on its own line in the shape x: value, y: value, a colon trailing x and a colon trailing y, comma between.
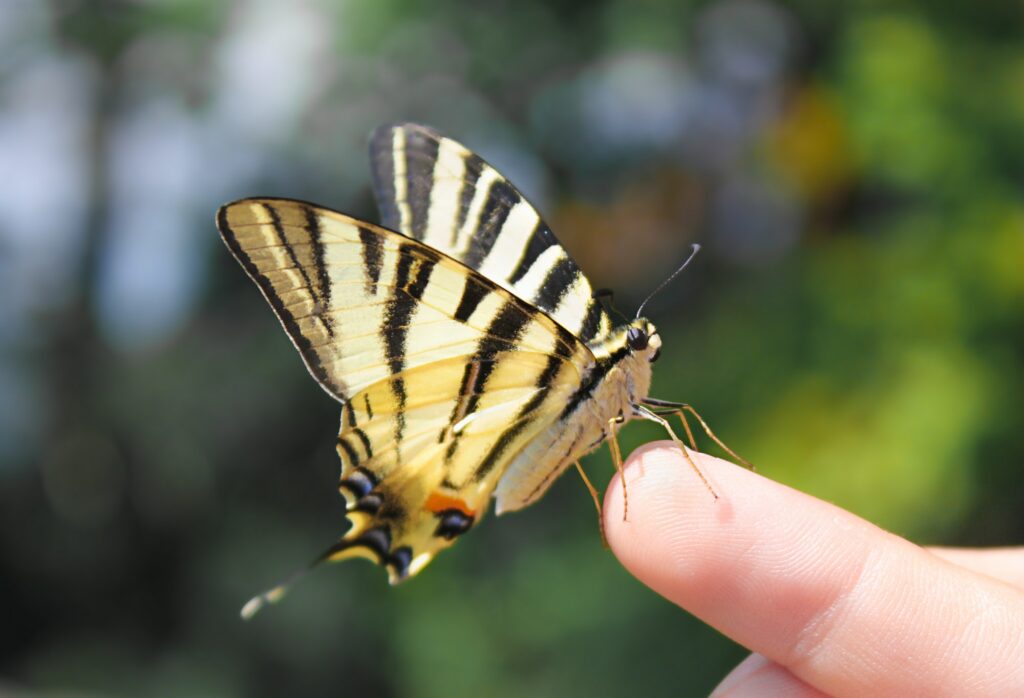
x: 445, y: 374
x: 433, y: 189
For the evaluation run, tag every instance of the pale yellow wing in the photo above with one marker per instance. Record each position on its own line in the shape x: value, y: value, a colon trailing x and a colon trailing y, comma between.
x: 445, y: 375
x: 362, y: 303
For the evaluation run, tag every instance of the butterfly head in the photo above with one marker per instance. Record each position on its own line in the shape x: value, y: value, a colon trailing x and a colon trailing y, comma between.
x: 643, y: 340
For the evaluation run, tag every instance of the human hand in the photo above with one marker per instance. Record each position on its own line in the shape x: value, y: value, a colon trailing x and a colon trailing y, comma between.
x: 829, y: 603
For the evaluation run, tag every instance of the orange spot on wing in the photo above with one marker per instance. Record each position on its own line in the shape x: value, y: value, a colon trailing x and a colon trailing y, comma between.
x: 438, y: 502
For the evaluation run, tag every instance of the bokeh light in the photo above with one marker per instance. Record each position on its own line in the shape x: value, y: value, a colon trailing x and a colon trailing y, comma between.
x: 854, y: 325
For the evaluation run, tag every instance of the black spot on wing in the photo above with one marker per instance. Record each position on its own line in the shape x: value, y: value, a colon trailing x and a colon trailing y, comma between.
x: 359, y: 481
x: 452, y: 523
x: 377, y: 540
x: 369, y: 503
x: 400, y: 560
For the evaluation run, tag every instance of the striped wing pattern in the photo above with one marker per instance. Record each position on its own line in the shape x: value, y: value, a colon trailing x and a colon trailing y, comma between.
x: 444, y: 374
x: 433, y: 189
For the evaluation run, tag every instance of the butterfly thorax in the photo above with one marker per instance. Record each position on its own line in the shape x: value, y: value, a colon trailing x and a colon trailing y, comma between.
x: 623, y: 365
x: 618, y: 379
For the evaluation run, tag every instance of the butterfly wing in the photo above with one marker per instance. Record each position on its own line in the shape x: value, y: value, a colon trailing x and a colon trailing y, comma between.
x: 444, y: 374
x: 433, y: 189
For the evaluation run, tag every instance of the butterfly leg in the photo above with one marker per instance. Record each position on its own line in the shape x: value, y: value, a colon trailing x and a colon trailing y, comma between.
x: 613, y: 446
x: 686, y: 426
x: 597, y: 501
x: 678, y: 410
x: 645, y: 413
x: 707, y: 430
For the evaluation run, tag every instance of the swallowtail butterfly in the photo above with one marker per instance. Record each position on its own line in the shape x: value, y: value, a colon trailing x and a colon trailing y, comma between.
x: 467, y: 349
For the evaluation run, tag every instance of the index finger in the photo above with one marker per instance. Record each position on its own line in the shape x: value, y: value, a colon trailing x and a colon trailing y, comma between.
x: 846, y: 606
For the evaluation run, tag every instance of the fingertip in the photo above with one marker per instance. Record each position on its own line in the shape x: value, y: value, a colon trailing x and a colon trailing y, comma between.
x: 659, y: 523
x: 753, y: 562
x: 773, y: 568
x: 761, y: 677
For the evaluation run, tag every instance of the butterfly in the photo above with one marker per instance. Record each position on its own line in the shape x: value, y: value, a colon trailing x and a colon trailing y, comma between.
x: 469, y: 352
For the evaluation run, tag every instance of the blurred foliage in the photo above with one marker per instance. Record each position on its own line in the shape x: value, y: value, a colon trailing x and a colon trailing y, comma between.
x: 854, y: 327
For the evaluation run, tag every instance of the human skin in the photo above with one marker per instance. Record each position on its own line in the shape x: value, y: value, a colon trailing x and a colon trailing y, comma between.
x: 828, y: 603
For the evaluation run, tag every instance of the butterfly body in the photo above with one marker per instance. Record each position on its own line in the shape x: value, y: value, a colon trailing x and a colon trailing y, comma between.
x: 466, y: 347
x: 618, y: 379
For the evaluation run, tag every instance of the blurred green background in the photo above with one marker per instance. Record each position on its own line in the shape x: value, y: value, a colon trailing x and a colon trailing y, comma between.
x: 855, y: 325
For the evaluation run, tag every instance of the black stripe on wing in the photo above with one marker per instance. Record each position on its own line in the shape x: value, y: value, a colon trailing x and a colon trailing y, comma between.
x: 420, y: 156
x: 502, y: 334
x: 382, y: 165
x: 415, y: 265
x: 317, y: 245
x: 592, y: 322
x: 412, y: 153
x: 522, y: 420
x: 373, y: 258
x: 470, y: 181
x: 286, y: 317
x: 557, y: 283
x: 501, y: 197
x: 540, y: 240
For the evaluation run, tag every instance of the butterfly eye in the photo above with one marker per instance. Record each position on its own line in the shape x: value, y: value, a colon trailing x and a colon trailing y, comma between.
x: 636, y: 338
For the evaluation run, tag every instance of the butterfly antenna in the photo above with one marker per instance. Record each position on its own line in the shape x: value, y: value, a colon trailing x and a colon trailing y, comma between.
x: 694, y: 249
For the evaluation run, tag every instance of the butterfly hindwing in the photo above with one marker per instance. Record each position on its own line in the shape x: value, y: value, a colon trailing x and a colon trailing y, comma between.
x: 433, y: 189
x: 444, y: 374
x: 423, y: 492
